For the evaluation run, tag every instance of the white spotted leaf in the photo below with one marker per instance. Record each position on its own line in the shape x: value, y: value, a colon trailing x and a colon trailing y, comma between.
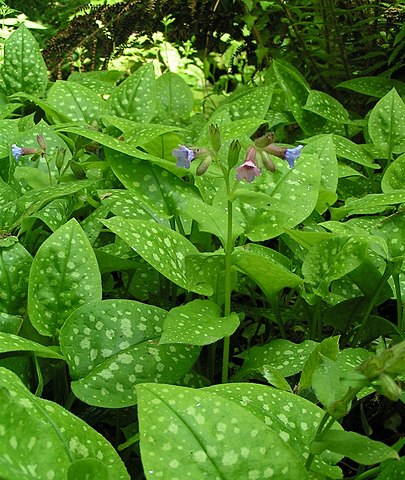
x: 77, y: 102
x: 292, y: 417
x: 326, y: 106
x: 373, y: 86
x: 152, y: 185
x: 358, y: 447
x: 13, y: 343
x: 331, y: 259
x: 385, y: 123
x: 324, y: 147
x: 15, y: 264
x: 296, y: 91
x: 64, y: 275
x: 135, y: 98
x: 24, y: 69
x: 286, y: 357
x: 188, y: 433
x: 267, y: 272
x: 163, y: 248
x: 112, y: 345
x: 373, y: 203
x: 197, y: 323
x: 175, y: 97
x: 292, y: 197
x: 394, y: 176
x: 51, y: 440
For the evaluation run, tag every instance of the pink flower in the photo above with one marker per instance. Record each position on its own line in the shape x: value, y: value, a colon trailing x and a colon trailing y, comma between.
x: 249, y: 169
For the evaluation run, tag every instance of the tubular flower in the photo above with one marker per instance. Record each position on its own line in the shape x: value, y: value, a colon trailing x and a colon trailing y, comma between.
x: 18, y: 152
x: 184, y: 156
x: 249, y: 169
x: 291, y: 154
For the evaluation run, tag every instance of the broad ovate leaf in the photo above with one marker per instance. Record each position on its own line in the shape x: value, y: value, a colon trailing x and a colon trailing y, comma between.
x: 199, y: 434
x: 112, y: 345
x: 41, y: 440
x: 64, y: 275
x: 198, y: 323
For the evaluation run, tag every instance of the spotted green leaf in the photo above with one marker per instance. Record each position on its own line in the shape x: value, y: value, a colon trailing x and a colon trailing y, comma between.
x: 175, y: 97
x: 292, y: 196
x: 296, y: 91
x: 199, y: 434
x: 112, y: 345
x: 359, y: 448
x: 13, y: 343
x: 286, y: 357
x: 385, y: 123
x: 354, y: 152
x: 56, y: 213
x: 88, y: 469
x: 392, y: 229
x: 198, y: 323
x: 248, y: 103
x: 331, y: 259
x: 52, y: 438
x: 160, y: 246
x: 64, y: 276
x: 24, y: 69
x: 324, y: 147
x: 15, y: 264
x: 10, y: 323
x: 373, y: 86
x: 292, y: 417
x: 392, y: 470
x: 266, y: 271
x: 152, y: 185
x: 78, y: 102
x: 8, y: 130
x: 137, y: 133
x: 394, y: 176
x: 373, y: 203
x: 135, y: 98
x: 326, y: 106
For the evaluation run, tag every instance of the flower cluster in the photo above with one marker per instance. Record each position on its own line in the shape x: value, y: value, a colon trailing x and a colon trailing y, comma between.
x: 258, y: 155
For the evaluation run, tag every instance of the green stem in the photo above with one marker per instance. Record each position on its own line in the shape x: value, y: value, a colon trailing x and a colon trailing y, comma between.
x: 40, y: 386
x: 49, y: 171
x: 398, y: 295
x: 317, y: 438
x: 373, y: 299
x: 229, y: 246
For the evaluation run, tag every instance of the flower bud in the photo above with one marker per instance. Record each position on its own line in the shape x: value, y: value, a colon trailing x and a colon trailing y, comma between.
x: 77, y: 169
x: 233, y: 153
x: 389, y: 388
x: 60, y: 158
x: 41, y: 142
x: 215, y: 137
x: 275, y: 150
x: 265, y: 140
x: 204, y: 164
x: 267, y: 161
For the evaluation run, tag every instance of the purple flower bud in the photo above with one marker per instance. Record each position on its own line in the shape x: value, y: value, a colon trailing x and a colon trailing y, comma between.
x: 291, y: 154
x: 184, y: 156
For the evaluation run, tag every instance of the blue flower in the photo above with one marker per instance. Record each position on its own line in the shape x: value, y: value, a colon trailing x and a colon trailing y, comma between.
x: 291, y: 154
x: 184, y: 156
x: 16, y: 151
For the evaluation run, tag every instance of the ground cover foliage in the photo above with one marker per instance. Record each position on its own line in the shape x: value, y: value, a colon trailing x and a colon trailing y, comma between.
x: 199, y: 294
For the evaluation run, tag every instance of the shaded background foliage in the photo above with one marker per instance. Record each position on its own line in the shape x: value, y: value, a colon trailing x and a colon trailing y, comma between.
x: 328, y: 41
